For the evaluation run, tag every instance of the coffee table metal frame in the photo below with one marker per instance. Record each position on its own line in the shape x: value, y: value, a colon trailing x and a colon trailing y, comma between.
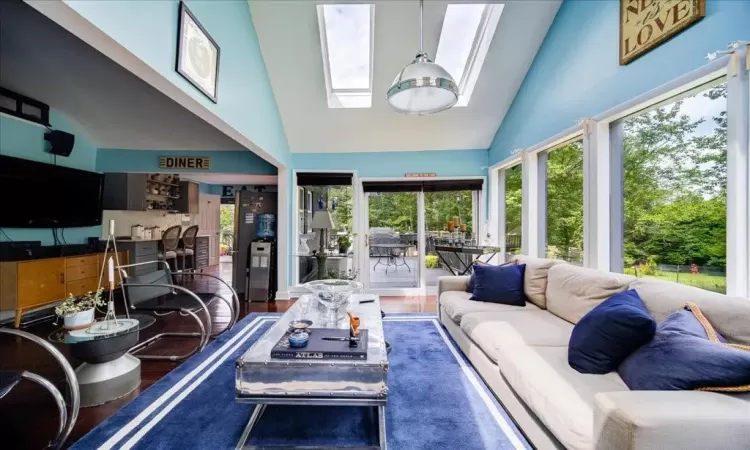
x: 264, y: 381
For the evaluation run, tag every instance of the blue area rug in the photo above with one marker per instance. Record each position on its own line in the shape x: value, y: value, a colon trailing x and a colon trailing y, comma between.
x: 436, y: 400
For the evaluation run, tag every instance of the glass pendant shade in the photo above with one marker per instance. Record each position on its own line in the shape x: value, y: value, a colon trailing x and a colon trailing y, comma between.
x: 422, y: 87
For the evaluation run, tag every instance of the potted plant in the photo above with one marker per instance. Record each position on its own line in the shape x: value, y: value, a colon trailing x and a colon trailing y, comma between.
x: 344, y: 242
x: 78, y: 312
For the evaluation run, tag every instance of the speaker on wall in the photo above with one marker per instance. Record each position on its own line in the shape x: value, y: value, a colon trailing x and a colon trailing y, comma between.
x: 61, y: 143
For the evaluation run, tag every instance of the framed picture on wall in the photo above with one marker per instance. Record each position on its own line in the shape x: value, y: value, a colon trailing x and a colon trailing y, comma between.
x: 197, y: 54
x: 647, y: 24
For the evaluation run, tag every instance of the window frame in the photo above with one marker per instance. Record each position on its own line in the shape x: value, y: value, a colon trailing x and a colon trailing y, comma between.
x: 483, y: 36
x: 345, y: 98
x: 603, y: 171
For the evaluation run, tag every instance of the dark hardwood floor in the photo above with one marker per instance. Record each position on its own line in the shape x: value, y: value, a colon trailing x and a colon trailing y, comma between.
x: 28, y: 415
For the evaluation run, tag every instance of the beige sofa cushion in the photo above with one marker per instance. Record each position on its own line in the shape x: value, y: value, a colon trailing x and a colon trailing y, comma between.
x: 685, y: 420
x: 538, y: 327
x: 456, y: 304
x: 559, y: 396
x: 573, y: 291
x: 535, y: 277
x: 729, y: 315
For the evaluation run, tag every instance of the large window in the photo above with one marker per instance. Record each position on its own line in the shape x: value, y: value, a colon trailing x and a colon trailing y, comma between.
x: 674, y: 186
x: 513, y: 190
x: 324, y: 200
x: 565, y: 203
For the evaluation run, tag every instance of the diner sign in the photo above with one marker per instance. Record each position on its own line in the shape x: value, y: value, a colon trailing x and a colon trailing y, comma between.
x: 185, y: 162
x: 421, y: 175
x: 645, y: 24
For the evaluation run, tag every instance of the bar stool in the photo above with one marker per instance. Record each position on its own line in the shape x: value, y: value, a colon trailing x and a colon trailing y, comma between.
x: 188, y: 247
x: 170, y: 241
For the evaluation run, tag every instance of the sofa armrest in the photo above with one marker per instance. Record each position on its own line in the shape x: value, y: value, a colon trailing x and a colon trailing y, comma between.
x: 670, y: 419
x: 452, y: 284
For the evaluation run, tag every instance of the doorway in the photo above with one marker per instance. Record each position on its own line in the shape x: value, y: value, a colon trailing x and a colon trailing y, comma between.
x: 226, y: 237
x: 418, y: 231
x: 393, y: 260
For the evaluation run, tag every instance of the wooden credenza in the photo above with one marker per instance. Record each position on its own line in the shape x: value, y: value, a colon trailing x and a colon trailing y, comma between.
x: 28, y: 285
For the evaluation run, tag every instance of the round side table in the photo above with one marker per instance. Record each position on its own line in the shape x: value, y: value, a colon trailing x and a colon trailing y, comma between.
x: 108, y: 372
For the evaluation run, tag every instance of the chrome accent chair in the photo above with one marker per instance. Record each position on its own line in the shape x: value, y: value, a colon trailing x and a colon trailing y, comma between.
x: 10, y: 379
x: 156, y: 292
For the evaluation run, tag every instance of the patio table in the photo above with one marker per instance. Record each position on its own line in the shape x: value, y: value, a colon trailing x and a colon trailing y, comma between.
x: 458, y: 251
x: 388, y: 248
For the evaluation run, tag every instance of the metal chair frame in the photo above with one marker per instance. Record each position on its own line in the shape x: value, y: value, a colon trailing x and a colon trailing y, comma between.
x: 204, y: 333
x: 67, y: 421
x: 234, y: 305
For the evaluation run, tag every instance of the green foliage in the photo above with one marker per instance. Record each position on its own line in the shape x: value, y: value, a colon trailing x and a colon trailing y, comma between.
x: 344, y: 241
x: 226, y: 217
x: 675, y: 188
x: 397, y: 210
x: 431, y: 261
x: 73, y: 305
x: 565, y: 201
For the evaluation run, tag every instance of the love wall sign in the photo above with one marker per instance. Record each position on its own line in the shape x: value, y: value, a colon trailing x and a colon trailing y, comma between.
x: 645, y: 24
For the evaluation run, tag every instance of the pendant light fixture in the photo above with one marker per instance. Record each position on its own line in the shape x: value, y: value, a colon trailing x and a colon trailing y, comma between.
x: 422, y: 87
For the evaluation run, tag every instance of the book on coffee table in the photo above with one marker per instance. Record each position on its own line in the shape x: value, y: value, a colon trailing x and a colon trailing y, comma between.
x: 320, y: 348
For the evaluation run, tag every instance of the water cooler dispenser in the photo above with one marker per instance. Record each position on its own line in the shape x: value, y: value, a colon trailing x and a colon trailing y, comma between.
x: 254, y: 260
x: 261, y: 279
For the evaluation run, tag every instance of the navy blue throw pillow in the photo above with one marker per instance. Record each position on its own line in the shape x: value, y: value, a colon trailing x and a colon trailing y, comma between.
x: 499, y: 284
x: 470, y: 284
x: 607, y: 334
x: 687, y: 353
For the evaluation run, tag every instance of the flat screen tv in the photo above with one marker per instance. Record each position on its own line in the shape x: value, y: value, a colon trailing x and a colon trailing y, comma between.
x: 39, y: 195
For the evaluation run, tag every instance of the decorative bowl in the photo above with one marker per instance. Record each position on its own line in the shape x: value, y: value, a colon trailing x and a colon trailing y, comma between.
x: 333, y: 293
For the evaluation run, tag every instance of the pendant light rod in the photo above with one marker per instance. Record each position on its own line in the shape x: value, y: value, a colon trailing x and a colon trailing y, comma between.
x: 421, y: 31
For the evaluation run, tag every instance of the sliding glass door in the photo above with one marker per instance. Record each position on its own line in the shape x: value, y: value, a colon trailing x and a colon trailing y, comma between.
x: 392, y: 233
x: 418, y: 231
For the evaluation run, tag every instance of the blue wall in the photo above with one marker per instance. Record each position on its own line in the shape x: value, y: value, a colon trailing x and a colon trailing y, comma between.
x: 148, y: 29
x: 243, y: 161
x: 23, y: 140
x: 576, y: 72
x: 444, y: 163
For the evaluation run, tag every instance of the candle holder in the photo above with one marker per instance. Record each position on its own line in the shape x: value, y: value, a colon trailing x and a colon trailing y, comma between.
x: 111, y: 278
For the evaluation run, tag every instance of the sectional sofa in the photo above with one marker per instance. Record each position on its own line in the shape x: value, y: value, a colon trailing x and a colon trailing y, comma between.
x: 521, y: 352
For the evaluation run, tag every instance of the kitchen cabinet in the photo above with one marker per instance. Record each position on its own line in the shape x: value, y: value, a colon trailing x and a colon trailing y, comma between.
x: 141, y: 252
x: 125, y: 191
x: 188, y: 203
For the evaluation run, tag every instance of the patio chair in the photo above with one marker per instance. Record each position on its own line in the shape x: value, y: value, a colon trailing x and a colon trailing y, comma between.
x: 155, y: 292
x: 10, y: 379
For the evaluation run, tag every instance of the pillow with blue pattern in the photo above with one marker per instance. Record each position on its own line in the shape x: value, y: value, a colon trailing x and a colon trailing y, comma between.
x: 688, y: 353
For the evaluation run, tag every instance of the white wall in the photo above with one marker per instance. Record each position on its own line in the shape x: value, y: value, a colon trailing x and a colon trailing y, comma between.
x: 125, y: 219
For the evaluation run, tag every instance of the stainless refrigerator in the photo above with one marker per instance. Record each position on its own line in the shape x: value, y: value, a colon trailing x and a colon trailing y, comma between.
x: 248, y: 205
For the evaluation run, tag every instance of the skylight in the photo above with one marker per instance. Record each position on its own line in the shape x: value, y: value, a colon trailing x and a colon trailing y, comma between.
x: 346, y: 37
x: 464, y: 41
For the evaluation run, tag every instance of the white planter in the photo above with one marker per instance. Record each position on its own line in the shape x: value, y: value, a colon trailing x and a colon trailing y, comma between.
x: 79, y: 320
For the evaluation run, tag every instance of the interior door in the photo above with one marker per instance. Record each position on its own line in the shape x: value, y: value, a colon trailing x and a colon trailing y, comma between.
x: 210, y: 210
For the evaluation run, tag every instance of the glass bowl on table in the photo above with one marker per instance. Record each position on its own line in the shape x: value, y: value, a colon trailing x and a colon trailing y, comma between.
x: 333, y: 294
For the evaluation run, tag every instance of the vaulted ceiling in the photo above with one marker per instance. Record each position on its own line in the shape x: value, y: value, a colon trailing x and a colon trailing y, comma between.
x: 291, y: 45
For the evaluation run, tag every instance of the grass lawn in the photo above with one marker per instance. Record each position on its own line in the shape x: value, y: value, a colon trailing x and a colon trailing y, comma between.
x: 716, y: 283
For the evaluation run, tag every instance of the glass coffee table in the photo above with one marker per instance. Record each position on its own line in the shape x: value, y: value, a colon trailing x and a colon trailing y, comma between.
x: 264, y: 381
